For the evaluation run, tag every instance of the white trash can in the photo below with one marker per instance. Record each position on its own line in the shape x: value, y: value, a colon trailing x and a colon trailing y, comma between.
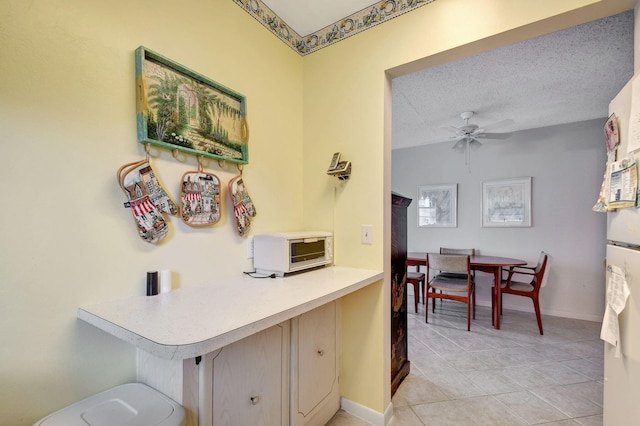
x: 133, y: 404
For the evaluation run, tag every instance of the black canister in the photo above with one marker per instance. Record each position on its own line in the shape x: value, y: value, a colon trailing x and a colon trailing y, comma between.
x: 152, y: 283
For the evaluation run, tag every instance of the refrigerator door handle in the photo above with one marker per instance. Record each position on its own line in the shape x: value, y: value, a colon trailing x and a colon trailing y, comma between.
x: 624, y: 245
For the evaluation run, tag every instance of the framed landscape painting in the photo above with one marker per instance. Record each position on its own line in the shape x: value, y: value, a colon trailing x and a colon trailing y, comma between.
x: 179, y: 109
x: 506, y: 203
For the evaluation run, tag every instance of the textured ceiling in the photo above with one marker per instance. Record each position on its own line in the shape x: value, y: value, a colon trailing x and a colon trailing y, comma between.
x: 562, y: 77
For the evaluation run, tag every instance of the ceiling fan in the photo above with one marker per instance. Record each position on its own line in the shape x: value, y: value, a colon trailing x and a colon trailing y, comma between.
x: 467, y: 136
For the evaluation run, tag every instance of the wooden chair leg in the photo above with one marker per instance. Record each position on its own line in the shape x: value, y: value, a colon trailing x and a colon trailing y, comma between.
x: 426, y: 307
x: 416, y: 295
x: 493, y: 312
x: 473, y: 298
x: 536, y: 306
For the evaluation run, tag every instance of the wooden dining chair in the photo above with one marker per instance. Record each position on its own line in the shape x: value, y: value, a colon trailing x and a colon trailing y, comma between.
x: 467, y: 252
x: 460, y: 288
x: 529, y: 286
x: 417, y: 280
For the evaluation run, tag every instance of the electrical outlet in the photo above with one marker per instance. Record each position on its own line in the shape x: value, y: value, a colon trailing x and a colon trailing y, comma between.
x: 367, y: 234
x: 250, y: 248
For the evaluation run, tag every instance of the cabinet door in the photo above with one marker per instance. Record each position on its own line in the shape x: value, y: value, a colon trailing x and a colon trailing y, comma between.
x: 250, y: 380
x: 315, y: 392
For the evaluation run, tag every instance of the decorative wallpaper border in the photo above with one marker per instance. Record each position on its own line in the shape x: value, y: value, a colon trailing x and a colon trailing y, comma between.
x: 368, y: 17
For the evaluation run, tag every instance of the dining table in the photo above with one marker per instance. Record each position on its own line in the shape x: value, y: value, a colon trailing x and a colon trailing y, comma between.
x: 489, y: 264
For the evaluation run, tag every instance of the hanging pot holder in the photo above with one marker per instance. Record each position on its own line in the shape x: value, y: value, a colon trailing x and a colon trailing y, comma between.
x: 243, y: 207
x: 200, y: 198
x: 142, y: 172
x: 147, y: 199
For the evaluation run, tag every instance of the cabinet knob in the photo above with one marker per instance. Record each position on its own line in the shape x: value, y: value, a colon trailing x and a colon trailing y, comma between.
x: 255, y: 400
x: 320, y: 352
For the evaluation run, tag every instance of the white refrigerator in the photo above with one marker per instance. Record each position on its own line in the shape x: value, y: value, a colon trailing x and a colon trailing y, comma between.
x: 622, y: 374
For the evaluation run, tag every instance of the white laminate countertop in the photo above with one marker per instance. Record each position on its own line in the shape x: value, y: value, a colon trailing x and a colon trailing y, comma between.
x: 194, y: 321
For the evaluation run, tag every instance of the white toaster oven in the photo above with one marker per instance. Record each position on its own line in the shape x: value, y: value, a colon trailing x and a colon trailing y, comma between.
x: 287, y: 252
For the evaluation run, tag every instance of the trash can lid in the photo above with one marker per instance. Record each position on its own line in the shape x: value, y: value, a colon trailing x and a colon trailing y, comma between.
x: 130, y: 404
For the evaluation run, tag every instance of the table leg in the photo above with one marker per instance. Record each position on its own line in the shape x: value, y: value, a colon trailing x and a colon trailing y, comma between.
x: 497, y: 280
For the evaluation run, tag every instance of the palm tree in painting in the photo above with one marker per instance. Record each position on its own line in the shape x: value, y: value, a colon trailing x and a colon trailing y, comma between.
x: 163, y: 98
x: 205, y: 99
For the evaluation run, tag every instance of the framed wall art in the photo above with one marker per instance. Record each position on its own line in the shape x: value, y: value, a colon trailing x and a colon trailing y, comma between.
x: 437, y: 205
x: 179, y: 109
x: 506, y: 203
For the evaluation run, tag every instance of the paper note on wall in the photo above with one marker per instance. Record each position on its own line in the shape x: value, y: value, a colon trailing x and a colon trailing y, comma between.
x: 617, y: 295
x: 623, y: 183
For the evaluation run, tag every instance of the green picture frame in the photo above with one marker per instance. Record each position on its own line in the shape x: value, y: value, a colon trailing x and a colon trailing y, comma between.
x: 181, y: 110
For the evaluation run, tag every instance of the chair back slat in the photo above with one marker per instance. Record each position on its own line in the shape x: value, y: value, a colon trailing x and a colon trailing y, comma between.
x: 447, y: 250
x: 540, y: 270
x: 448, y: 262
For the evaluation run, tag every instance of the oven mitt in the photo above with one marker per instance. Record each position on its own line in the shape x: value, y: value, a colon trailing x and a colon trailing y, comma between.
x: 151, y: 224
x: 200, y: 199
x: 145, y: 194
x: 142, y: 171
x: 243, y: 207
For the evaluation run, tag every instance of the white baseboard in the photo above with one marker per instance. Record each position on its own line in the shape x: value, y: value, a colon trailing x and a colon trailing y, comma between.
x: 388, y: 414
x: 367, y: 414
x: 551, y: 312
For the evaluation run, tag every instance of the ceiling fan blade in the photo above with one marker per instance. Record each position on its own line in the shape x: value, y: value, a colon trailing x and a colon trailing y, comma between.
x: 505, y: 135
x: 450, y: 129
x: 447, y: 139
x: 497, y: 125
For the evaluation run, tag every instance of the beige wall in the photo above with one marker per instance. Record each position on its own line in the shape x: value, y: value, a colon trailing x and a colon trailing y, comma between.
x: 67, y: 108
x: 67, y: 115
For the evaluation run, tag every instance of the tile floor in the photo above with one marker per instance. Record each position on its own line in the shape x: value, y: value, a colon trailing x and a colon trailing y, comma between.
x: 512, y: 376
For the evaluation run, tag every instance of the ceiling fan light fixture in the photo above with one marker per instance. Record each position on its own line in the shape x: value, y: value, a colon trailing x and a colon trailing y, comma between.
x: 460, y: 145
x: 469, y: 134
x: 474, y: 144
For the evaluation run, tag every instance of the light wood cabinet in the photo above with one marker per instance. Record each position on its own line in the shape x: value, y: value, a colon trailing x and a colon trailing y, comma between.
x: 286, y: 374
x: 315, y: 395
x: 246, y: 382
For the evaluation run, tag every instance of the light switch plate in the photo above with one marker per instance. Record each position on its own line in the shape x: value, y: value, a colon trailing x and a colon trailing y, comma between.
x: 367, y: 234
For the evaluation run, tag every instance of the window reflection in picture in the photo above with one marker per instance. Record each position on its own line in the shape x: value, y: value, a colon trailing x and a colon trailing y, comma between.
x: 437, y: 205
